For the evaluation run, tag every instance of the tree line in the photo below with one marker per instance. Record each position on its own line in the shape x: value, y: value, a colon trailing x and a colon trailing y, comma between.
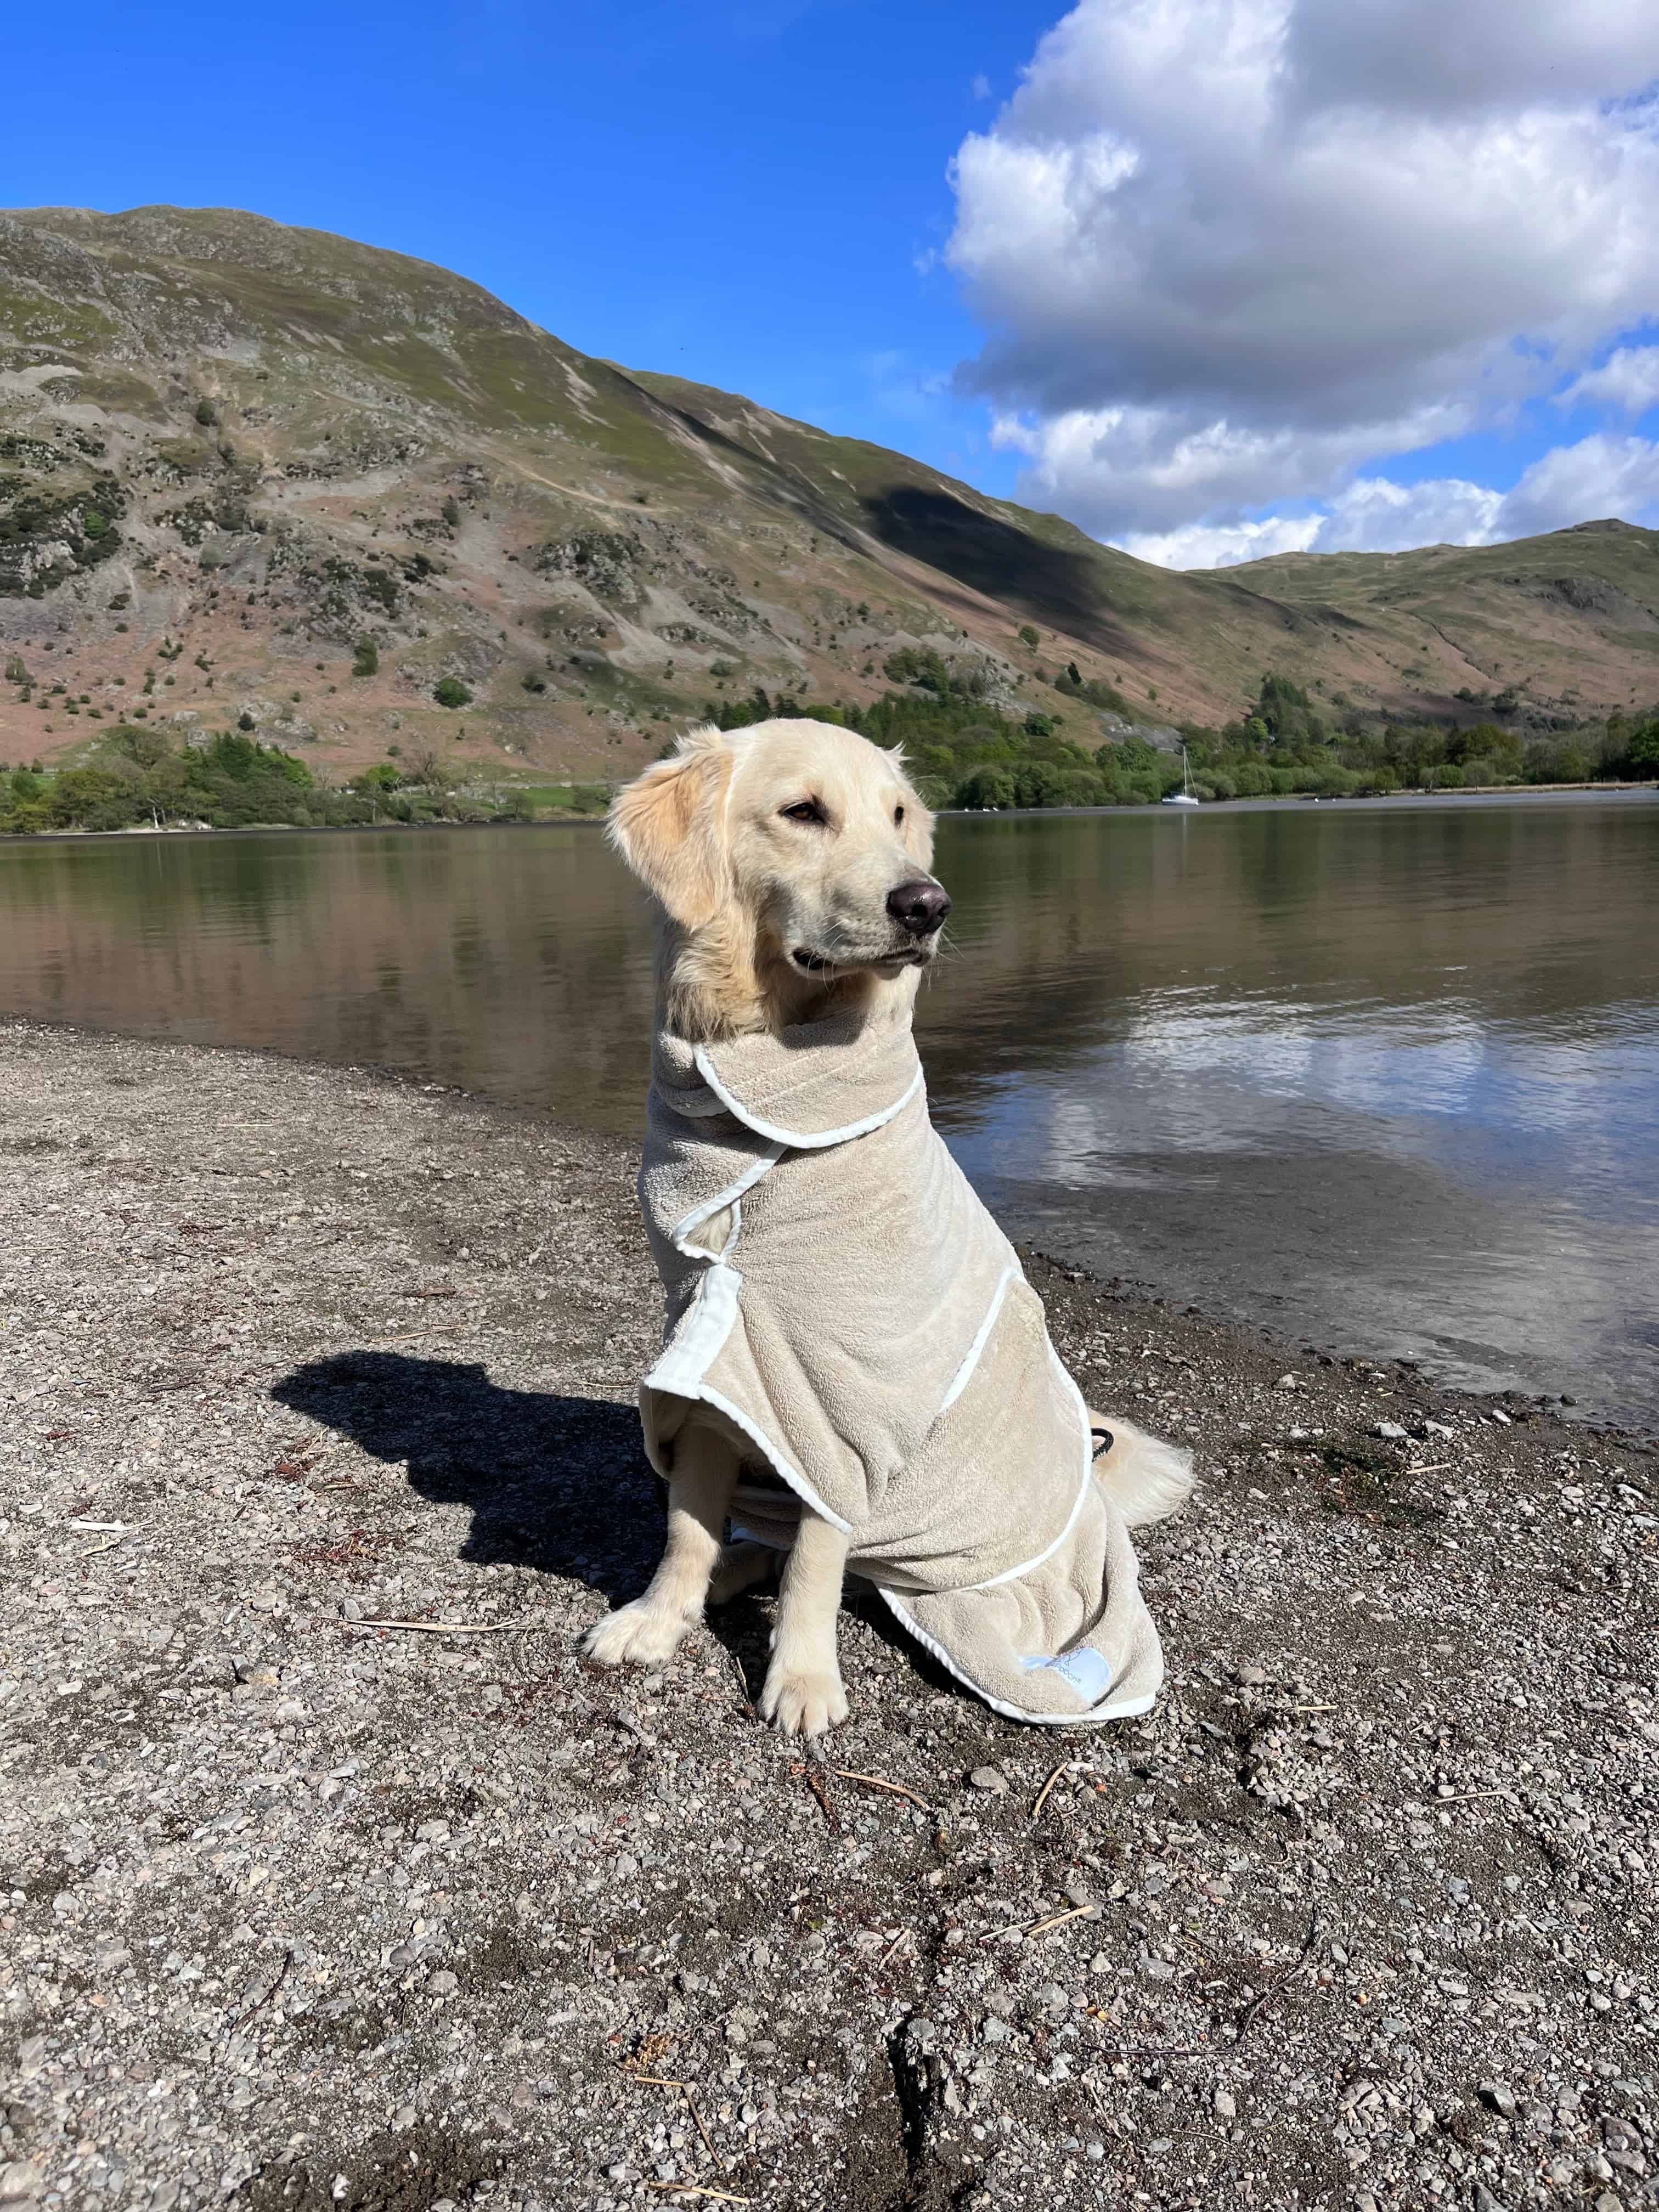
x: 138, y: 776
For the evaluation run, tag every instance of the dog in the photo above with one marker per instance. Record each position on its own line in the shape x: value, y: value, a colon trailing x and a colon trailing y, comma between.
x: 853, y: 1366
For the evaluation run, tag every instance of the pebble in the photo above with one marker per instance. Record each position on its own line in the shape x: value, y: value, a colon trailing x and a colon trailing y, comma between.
x: 1226, y: 2107
x: 990, y: 1779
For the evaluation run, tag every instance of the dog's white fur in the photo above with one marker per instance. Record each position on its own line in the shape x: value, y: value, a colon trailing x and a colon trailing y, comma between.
x: 771, y: 853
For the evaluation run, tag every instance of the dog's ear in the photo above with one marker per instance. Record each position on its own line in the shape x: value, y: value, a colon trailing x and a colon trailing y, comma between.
x: 669, y: 826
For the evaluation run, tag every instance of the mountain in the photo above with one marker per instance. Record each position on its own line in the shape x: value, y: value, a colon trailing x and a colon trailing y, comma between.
x: 239, y: 461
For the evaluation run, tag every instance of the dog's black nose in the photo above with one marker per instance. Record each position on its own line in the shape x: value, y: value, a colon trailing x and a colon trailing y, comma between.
x: 920, y: 907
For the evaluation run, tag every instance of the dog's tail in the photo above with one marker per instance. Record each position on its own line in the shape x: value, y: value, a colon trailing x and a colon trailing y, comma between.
x: 1145, y: 1479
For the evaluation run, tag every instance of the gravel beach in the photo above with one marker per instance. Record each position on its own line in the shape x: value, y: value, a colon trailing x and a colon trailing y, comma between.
x: 309, y: 1901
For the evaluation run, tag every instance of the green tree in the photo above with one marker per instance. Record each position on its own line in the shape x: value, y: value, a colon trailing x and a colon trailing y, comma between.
x: 986, y: 786
x: 366, y: 661
x: 1028, y: 637
x: 206, y: 413
x: 451, y: 692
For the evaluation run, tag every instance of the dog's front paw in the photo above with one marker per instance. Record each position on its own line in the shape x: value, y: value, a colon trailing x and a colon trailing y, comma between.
x: 640, y: 1633
x: 804, y: 1704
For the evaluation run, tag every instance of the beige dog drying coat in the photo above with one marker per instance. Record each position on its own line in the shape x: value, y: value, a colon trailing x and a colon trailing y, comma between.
x: 837, y: 1290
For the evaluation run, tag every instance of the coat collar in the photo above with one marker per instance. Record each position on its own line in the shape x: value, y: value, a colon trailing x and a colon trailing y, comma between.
x: 815, y: 1085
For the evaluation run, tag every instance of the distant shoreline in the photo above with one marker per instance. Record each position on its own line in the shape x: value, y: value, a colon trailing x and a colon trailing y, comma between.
x: 1501, y: 794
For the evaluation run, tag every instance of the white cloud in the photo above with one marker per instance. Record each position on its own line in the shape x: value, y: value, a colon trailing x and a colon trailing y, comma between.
x: 1230, y: 251
x: 1599, y: 475
x: 1628, y: 381
x: 1221, y: 544
x: 1154, y: 469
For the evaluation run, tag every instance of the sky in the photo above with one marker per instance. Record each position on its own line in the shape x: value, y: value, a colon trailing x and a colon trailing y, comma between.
x: 1214, y: 278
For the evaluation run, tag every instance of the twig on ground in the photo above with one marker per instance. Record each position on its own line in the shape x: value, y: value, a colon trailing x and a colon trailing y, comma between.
x: 714, y: 2155
x: 438, y: 1627
x: 1043, y: 1927
x: 1042, y: 1794
x: 1468, y: 1796
x: 236, y: 2027
x: 880, y: 1782
x: 691, y: 2189
x: 820, y: 1789
x: 1263, y: 1997
x: 1059, y: 1919
x: 664, y: 2081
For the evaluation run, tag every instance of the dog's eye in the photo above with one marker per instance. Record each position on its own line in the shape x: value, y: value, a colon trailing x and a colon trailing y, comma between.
x: 898, y: 816
x: 804, y: 809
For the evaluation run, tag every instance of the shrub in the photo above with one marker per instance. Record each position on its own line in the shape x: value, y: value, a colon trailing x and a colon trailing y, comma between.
x: 1028, y: 637
x: 917, y: 665
x: 206, y: 413
x: 91, y: 798
x: 366, y: 659
x: 1039, y: 783
x: 451, y: 692
x: 1083, y: 787
x: 450, y: 513
x: 986, y: 786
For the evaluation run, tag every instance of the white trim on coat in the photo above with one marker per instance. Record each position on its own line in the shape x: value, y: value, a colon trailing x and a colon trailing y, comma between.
x: 796, y: 1140
x: 963, y: 1375
x: 1091, y: 1715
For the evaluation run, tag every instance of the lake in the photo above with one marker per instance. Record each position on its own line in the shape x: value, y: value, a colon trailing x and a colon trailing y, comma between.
x: 1383, y: 1077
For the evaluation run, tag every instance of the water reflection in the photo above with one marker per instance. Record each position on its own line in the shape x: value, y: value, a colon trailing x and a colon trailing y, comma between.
x: 1388, y: 1078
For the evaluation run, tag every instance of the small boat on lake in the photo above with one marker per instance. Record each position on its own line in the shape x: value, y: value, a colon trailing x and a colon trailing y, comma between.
x: 1185, y: 796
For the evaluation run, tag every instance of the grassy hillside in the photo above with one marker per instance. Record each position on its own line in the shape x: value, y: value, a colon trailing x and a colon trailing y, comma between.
x: 351, y: 505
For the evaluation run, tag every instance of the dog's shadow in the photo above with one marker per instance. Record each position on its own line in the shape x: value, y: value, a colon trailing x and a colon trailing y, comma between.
x: 557, y: 1485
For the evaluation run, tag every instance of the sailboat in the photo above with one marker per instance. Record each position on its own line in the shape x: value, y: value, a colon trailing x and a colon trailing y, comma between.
x: 1185, y: 796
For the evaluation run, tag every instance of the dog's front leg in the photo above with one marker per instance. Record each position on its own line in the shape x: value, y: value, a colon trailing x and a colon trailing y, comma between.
x: 649, y: 1631
x: 803, y: 1692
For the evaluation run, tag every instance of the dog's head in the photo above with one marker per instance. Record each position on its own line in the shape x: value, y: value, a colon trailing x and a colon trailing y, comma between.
x: 795, y: 849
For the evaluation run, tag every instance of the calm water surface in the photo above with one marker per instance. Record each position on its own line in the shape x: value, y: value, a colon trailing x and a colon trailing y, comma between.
x: 1385, y: 1077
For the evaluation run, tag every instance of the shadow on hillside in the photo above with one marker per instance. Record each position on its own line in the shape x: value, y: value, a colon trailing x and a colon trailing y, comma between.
x: 1062, y: 587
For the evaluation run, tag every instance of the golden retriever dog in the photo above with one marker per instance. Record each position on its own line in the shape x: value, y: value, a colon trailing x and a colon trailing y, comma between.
x: 791, y: 866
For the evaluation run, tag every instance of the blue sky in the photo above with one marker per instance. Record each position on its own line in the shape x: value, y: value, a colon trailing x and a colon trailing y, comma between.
x: 1106, y: 260
x: 738, y: 192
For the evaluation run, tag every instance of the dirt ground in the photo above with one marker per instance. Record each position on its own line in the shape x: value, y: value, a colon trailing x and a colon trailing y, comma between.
x: 298, y: 1909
